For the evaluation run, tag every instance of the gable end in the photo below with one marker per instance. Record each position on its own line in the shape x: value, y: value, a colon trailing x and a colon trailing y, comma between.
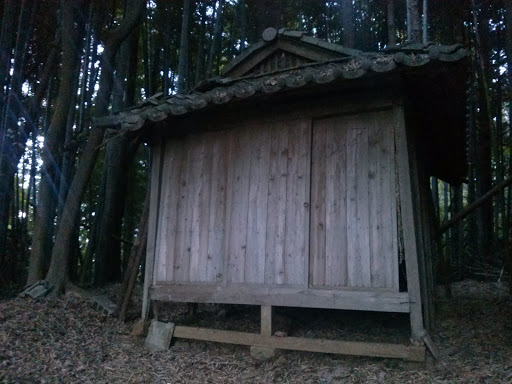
x: 284, y: 50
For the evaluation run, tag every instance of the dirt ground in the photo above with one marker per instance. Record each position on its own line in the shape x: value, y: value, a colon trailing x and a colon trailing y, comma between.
x: 68, y: 341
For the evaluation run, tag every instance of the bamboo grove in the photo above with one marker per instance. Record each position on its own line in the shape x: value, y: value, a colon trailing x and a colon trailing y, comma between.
x: 71, y: 194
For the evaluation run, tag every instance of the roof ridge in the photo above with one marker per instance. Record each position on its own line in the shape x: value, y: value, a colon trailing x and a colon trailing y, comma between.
x: 243, y: 88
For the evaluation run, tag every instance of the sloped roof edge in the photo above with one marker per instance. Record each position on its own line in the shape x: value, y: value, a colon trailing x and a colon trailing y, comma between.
x: 295, y: 35
x: 158, y: 108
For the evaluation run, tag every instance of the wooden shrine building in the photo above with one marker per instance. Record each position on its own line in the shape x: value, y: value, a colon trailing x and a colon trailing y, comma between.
x: 300, y: 178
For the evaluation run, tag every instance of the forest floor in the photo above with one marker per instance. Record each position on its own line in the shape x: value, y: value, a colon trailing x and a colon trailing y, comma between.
x: 67, y: 340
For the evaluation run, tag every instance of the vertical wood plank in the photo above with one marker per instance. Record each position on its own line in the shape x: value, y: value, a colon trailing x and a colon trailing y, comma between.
x: 184, y: 215
x: 257, y: 205
x: 306, y: 145
x: 271, y: 224
x: 335, y: 200
x: 195, y: 190
x: 357, y: 204
x: 205, y: 207
x: 156, y: 166
x: 170, y: 191
x: 200, y: 195
x: 409, y: 235
x: 217, y: 225
x: 239, y: 171
x: 383, y: 239
x: 160, y: 264
x: 296, y: 196
x: 318, y: 209
x: 276, y: 224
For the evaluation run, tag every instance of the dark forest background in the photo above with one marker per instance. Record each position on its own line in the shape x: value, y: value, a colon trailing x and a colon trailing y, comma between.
x: 72, y: 195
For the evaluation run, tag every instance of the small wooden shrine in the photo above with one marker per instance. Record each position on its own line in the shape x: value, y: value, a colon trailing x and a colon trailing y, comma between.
x: 300, y: 178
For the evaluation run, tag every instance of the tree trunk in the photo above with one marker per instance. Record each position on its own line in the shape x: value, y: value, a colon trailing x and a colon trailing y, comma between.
x: 268, y: 14
x: 166, y: 27
x: 508, y: 201
x: 391, y: 23
x: 182, y: 65
x: 425, y: 22
x: 485, y: 121
x: 200, y: 46
x: 137, y: 252
x: 57, y: 275
x: 243, y: 24
x: 348, y: 21
x: 6, y: 45
x: 413, y: 22
x: 108, y: 245
x: 54, y: 140
x: 217, y: 35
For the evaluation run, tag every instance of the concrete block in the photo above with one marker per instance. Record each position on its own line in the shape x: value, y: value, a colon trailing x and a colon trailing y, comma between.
x: 38, y: 289
x: 160, y: 335
x: 104, y: 304
x: 263, y: 353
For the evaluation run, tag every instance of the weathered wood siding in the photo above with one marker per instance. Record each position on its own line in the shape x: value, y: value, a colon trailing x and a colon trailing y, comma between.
x: 353, y: 218
x: 234, y: 206
x: 304, y: 203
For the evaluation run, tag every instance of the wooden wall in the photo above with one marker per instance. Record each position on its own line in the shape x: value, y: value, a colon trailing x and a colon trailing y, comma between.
x: 353, y: 221
x: 307, y: 202
x: 233, y: 208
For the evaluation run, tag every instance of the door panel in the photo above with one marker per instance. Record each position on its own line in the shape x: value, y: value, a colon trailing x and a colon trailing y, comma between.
x: 353, y: 220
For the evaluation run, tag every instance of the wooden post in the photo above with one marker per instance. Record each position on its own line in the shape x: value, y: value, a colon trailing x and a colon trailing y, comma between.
x: 267, y: 312
x: 156, y: 177
x: 408, y: 225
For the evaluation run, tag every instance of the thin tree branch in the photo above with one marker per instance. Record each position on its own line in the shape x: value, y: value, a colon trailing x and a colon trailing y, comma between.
x: 471, y: 207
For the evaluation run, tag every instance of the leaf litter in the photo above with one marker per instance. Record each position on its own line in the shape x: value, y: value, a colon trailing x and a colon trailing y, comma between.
x: 66, y: 340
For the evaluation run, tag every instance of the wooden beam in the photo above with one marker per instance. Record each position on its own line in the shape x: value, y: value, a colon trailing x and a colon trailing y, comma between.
x: 266, y: 320
x: 474, y: 205
x: 354, y: 348
x: 370, y: 300
x: 408, y: 224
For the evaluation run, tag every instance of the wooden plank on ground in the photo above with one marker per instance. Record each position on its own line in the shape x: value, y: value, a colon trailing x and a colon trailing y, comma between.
x: 353, y: 348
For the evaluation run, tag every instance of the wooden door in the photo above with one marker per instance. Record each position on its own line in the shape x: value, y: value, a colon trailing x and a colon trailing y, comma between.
x: 353, y: 233
x: 235, y: 206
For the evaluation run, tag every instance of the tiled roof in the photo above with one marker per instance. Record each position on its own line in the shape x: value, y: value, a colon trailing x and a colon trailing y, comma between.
x: 297, y: 36
x: 226, y: 90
